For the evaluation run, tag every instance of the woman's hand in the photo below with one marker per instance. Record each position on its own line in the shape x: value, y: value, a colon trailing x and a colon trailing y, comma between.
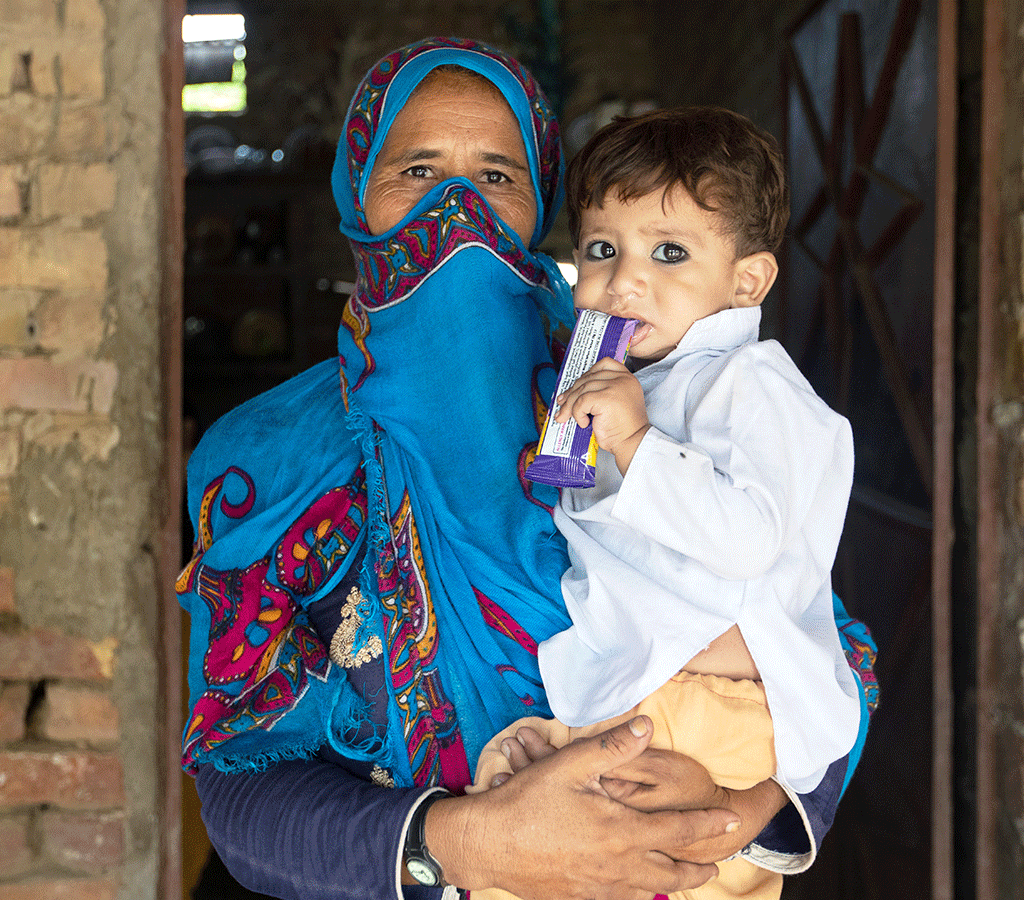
x: 552, y: 831
x: 663, y: 779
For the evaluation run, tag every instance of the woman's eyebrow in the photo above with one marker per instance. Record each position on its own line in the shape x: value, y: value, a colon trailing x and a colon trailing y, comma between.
x: 501, y: 159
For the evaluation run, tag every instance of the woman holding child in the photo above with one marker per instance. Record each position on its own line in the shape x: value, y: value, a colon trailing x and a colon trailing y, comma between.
x: 372, y: 574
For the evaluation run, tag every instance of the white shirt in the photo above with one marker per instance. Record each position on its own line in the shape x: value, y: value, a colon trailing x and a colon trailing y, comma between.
x: 730, y: 513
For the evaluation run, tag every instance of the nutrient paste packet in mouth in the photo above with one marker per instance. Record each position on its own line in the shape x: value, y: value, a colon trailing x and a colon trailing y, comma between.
x: 567, y: 453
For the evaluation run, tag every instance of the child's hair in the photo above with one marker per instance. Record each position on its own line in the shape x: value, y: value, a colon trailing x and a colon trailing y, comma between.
x: 727, y: 165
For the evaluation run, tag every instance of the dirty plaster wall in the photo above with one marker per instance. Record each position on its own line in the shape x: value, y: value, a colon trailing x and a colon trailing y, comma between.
x: 81, y: 438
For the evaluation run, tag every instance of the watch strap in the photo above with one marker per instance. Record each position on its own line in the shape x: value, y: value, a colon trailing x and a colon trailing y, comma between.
x: 419, y: 861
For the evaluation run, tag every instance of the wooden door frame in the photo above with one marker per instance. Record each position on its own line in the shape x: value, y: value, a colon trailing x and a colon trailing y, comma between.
x: 990, y: 287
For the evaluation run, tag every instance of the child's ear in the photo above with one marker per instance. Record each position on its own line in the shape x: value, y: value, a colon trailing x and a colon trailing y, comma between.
x: 755, y: 274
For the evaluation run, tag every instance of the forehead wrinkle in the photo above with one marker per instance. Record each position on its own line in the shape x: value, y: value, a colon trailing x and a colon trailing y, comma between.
x: 412, y: 155
x: 419, y: 154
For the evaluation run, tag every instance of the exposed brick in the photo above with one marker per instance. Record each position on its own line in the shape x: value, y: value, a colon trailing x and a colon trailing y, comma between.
x: 8, y: 61
x: 84, y: 17
x: 14, y: 699
x: 13, y: 324
x: 82, y: 67
x: 37, y: 654
x: 104, y: 888
x: 6, y: 589
x: 23, y: 12
x: 44, y: 60
x: 77, y: 713
x: 75, y: 190
x: 68, y: 779
x: 53, y: 258
x: 26, y: 122
x: 83, y: 130
x: 15, y: 850
x: 85, y: 842
x: 70, y: 325
x: 11, y: 178
x: 94, y: 437
x: 38, y: 383
x: 10, y: 451
x: 69, y: 63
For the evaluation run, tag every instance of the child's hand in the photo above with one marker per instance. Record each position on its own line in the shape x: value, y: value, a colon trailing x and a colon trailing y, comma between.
x: 609, y: 398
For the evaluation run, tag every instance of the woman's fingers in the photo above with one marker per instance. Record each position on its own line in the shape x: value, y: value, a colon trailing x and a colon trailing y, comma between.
x: 677, y: 831
x: 570, y: 839
x: 670, y: 875
x: 603, y: 753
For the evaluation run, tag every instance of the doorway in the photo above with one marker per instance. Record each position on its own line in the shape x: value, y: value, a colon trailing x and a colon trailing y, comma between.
x: 910, y: 510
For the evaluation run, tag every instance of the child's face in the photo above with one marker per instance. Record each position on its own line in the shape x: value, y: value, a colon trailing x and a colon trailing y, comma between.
x: 660, y: 259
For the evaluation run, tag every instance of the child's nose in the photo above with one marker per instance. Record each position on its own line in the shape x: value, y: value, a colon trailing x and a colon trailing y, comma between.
x: 627, y: 281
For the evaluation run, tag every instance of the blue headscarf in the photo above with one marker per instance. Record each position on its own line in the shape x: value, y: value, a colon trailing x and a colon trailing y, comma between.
x: 412, y: 444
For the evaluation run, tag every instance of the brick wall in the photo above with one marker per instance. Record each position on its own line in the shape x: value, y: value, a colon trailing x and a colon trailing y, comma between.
x: 80, y: 446
x: 62, y: 803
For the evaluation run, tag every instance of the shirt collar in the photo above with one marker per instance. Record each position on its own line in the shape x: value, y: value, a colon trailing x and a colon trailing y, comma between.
x: 724, y: 330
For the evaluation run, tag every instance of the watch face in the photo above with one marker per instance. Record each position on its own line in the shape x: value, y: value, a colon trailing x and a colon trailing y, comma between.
x: 421, y: 871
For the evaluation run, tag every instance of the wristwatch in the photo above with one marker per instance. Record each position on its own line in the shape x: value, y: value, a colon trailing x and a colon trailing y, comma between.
x: 418, y: 859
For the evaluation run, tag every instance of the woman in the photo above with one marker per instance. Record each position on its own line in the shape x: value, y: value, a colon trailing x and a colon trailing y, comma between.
x: 402, y: 536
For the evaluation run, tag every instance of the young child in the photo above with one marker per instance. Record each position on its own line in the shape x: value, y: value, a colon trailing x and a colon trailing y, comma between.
x: 700, y: 587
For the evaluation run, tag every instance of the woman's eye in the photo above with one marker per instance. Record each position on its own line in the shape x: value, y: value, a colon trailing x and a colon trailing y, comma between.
x: 600, y: 250
x: 495, y: 177
x: 670, y: 253
x: 418, y: 171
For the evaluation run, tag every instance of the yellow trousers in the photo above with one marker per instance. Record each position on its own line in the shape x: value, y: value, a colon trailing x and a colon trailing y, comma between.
x: 723, y: 724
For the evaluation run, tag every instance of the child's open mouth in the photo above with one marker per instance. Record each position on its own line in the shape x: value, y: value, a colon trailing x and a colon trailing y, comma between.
x: 642, y: 330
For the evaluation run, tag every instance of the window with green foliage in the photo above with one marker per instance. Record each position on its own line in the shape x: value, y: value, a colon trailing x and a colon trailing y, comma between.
x: 214, y: 63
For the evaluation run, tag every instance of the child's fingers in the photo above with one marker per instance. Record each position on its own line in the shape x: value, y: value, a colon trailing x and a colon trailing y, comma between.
x: 590, y: 400
x: 608, y: 364
x: 592, y: 379
x: 569, y: 407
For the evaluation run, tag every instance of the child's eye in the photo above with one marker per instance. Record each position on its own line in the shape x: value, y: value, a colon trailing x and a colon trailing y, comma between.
x: 600, y: 250
x: 670, y: 253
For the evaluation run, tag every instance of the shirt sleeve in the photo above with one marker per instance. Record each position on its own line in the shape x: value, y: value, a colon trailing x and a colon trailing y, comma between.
x: 758, y: 451
x: 308, y: 830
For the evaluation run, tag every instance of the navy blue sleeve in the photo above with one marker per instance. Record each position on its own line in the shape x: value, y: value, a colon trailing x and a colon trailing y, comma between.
x: 790, y: 842
x: 306, y: 830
